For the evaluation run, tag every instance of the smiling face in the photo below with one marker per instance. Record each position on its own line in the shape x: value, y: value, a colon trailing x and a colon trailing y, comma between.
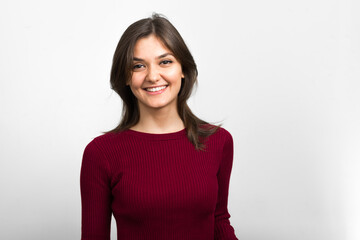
x: 156, y: 75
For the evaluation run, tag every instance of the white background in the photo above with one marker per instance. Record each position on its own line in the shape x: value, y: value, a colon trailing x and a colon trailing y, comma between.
x: 282, y: 75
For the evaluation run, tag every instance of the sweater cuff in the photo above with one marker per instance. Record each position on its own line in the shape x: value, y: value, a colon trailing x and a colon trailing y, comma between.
x: 224, y: 231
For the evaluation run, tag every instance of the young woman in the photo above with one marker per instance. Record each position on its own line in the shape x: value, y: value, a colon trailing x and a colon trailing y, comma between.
x: 162, y: 172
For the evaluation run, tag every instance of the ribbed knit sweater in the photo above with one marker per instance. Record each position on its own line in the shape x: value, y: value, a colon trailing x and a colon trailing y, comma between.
x: 157, y: 186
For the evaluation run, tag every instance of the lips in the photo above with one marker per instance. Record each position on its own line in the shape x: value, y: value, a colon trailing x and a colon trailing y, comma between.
x: 155, y: 88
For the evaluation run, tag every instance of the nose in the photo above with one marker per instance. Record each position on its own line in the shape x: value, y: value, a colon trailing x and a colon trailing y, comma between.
x: 153, y: 74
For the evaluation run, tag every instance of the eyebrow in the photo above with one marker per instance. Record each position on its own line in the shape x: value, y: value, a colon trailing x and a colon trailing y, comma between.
x: 161, y: 56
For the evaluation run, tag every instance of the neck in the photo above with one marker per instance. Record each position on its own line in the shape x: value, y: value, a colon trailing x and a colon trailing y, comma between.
x: 161, y: 120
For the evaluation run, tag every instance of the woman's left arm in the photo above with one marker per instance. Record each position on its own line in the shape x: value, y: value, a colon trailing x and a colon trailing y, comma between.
x: 223, y: 228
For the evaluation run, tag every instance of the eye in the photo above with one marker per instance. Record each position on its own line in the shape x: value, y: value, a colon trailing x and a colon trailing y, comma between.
x: 166, y: 62
x: 137, y: 66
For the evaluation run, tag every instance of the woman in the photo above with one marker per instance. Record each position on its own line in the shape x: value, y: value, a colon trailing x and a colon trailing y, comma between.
x: 162, y: 172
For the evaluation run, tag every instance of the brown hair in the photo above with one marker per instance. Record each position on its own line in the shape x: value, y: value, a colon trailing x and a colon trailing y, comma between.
x: 121, y: 72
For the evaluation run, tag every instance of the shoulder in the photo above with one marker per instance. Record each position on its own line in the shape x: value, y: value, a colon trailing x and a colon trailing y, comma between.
x: 220, y: 139
x: 226, y: 137
x: 225, y: 133
x: 104, y: 142
x: 222, y: 134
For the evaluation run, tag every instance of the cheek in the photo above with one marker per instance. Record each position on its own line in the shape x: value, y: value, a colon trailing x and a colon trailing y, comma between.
x: 174, y: 76
x: 136, y: 81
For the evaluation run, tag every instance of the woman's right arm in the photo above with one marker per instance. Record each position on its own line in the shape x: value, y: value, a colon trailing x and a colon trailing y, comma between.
x: 95, y: 195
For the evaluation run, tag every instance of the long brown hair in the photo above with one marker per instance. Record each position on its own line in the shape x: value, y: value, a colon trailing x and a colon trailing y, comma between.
x: 197, y: 130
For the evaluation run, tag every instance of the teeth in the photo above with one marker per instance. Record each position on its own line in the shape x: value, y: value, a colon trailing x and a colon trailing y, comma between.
x: 155, y: 89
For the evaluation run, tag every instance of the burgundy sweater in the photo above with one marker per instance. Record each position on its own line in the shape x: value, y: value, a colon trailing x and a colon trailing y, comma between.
x: 157, y: 186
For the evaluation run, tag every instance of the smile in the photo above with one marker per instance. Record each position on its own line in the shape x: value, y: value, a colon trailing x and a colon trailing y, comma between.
x: 156, y: 90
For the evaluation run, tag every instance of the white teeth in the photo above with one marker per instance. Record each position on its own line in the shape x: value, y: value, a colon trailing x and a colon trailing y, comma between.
x: 155, y: 89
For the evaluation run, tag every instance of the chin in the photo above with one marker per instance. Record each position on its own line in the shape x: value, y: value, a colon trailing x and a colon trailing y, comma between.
x: 158, y: 106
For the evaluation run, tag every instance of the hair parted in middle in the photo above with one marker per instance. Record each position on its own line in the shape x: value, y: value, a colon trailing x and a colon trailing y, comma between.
x: 121, y: 72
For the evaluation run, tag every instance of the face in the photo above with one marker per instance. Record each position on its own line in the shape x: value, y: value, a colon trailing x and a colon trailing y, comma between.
x: 156, y: 75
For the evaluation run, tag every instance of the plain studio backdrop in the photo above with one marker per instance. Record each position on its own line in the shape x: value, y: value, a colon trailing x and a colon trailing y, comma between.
x: 282, y: 76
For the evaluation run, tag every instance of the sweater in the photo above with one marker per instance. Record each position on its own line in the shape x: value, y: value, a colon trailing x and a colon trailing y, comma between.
x: 157, y: 186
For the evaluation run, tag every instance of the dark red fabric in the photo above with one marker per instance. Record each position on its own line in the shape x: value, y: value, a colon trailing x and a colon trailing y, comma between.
x: 157, y: 186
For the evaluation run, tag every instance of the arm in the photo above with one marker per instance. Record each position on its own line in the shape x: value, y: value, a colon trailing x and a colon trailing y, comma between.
x: 95, y: 195
x: 223, y: 229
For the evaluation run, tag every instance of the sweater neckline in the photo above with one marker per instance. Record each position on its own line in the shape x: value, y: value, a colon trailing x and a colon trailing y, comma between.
x: 157, y: 136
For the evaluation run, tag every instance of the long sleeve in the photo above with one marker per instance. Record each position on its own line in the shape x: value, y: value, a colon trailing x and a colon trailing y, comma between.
x: 95, y: 195
x: 223, y: 229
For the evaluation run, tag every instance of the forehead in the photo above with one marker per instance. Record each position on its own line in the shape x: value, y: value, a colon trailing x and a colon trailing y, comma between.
x: 150, y: 46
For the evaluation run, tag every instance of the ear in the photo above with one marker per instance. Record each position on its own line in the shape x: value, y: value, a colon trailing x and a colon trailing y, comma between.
x: 182, y: 75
